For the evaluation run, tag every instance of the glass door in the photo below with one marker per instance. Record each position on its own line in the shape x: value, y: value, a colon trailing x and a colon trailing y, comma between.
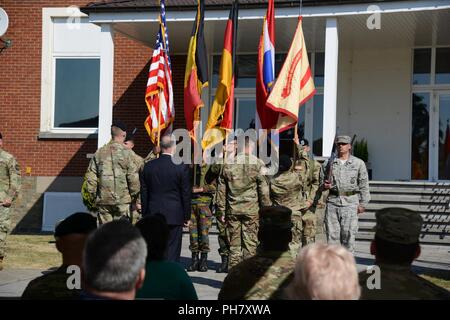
x: 443, y: 135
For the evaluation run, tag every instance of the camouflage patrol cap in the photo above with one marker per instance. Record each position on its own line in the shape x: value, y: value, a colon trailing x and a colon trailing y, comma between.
x: 343, y: 139
x: 119, y: 124
x: 275, y: 217
x: 398, y: 225
x: 80, y: 222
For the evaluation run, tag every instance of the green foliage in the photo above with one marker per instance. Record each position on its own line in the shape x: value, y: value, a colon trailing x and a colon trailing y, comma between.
x: 360, y: 150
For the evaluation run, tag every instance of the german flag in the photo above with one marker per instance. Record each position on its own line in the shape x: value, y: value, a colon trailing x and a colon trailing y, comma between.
x: 221, y: 116
x: 196, y: 75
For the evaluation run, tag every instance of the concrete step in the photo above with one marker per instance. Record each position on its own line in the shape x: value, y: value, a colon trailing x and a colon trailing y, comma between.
x: 413, y: 198
x: 437, y: 228
x: 423, y: 208
x: 435, y: 239
x: 427, y: 217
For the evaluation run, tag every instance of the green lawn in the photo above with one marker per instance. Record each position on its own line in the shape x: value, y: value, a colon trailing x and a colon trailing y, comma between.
x: 31, y: 252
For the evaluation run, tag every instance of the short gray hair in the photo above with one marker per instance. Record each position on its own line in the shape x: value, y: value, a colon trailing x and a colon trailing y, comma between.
x: 167, y: 142
x: 113, y: 257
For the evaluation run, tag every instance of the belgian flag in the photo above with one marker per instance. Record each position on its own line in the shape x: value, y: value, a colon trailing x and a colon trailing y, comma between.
x: 196, y: 75
x: 220, y: 119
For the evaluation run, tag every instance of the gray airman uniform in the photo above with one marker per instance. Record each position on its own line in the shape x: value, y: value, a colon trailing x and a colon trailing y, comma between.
x: 399, y: 282
x: 244, y: 190
x: 350, y: 188
x: 112, y: 179
x: 10, y: 182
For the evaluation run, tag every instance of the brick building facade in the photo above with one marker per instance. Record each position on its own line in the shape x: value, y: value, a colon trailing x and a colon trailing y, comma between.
x: 57, y: 164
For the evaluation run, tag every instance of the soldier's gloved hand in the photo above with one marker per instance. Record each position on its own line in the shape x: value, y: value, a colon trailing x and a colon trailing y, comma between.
x: 7, y: 202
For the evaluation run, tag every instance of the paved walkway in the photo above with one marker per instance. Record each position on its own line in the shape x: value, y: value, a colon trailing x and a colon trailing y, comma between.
x: 207, y: 284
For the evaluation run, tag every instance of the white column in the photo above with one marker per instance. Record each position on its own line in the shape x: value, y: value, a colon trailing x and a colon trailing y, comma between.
x: 330, y: 85
x: 106, y: 84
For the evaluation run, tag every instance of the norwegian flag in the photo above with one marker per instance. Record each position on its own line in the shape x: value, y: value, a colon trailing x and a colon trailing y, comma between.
x: 159, y: 93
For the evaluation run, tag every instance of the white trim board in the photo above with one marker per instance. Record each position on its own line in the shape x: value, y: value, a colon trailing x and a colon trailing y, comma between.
x: 291, y: 12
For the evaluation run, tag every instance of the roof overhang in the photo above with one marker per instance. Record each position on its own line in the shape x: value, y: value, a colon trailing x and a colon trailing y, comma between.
x: 403, y: 22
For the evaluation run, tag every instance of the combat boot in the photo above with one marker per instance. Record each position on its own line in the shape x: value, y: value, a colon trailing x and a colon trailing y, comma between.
x: 203, y: 266
x: 194, y: 262
x: 223, y: 268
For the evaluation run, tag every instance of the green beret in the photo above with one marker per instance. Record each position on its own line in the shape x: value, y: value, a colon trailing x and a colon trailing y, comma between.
x: 398, y: 225
x: 80, y: 222
x: 275, y: 217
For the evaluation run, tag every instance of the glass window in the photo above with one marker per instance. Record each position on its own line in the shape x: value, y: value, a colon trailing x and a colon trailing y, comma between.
x: 246, y: 70
x: 245, y: 115
x: 422, y: 66
x: 442, y: 65
x: 77, y: 88
x: 444, y: 137
x: 317, y: 124
x: 319, y: 69
x: 420, y: 136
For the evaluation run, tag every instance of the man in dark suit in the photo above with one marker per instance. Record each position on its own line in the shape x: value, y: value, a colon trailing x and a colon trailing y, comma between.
x: 166, y: 189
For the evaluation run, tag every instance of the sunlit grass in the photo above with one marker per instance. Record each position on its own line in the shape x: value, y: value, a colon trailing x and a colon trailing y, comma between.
x: 31, y: 252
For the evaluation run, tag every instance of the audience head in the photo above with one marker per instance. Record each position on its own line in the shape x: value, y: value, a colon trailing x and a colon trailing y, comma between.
x: 324, y: 272
x: 114, y: 260
x: 397, y: 234
x: 155, y: 231
x: 305, y: 144
x: 275, y: 226
x: 71, y: 235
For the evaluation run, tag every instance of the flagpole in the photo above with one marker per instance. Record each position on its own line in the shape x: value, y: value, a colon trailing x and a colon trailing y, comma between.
x: 300, y: 9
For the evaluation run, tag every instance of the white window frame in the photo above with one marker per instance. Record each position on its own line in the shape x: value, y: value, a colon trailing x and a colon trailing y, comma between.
x: 48, y: 74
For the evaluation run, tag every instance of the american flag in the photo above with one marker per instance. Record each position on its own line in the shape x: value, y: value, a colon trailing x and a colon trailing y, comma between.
x: 159, y: 93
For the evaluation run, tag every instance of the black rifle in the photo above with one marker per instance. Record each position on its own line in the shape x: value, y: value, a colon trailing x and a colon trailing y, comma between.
x: 331, y: 159
x: 353, y: 141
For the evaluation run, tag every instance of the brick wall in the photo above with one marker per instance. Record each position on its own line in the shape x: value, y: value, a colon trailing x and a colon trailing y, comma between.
x: 20, y: 93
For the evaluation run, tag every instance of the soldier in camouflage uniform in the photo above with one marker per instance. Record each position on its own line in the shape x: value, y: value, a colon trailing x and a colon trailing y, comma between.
x: 244, y: 190
x: 267, y: 274
x: 286, y: 190
x: 202, y: 196
x: 348, y: 197
x: 395, y: 247
x: 9, y: 189
x: 70, y: 235
x: 153, y: 154
x: 135, y: 208
x: 112, y: 178
x: 224, y: 245
x: 310, y: 171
